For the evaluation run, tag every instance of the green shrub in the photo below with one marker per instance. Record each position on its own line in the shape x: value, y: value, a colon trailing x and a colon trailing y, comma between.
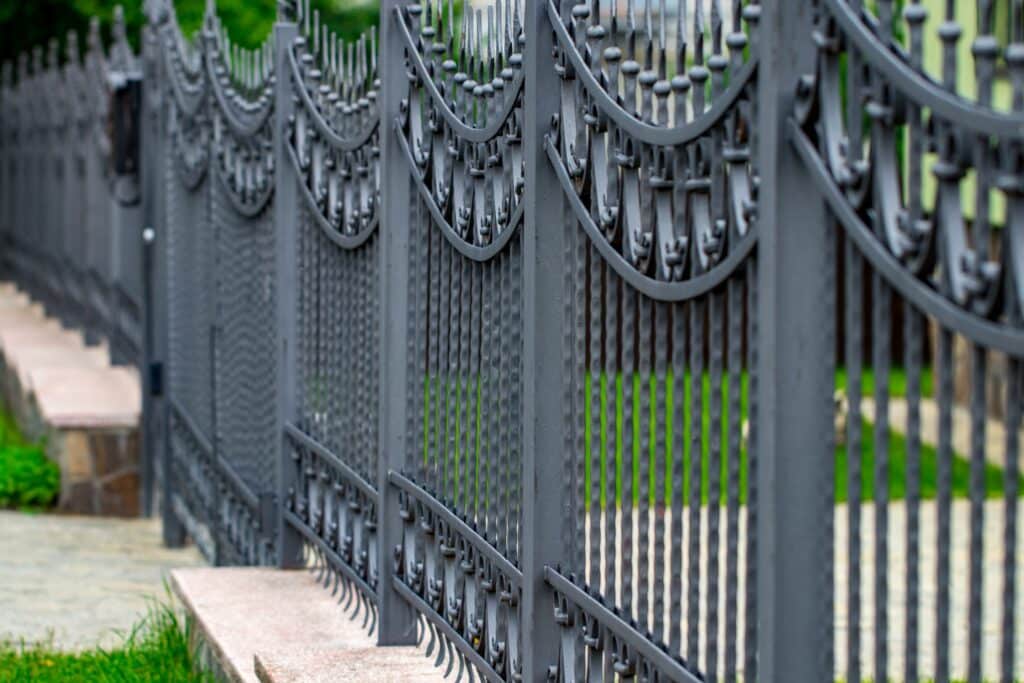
x: 28, y: 479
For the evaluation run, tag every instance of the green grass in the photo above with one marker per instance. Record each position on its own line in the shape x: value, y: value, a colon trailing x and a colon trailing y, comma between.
x: 155, y: 650
x: 28, y: 479
x: 897, y: 452
x: 442, y: 413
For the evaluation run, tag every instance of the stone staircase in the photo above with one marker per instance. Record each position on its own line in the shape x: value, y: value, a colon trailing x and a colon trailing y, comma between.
x: 66, y: 392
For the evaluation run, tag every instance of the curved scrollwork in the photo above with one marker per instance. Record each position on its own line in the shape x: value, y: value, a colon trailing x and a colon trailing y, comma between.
x: 334, y: 136
x: 461, y: 125
x: 187, y: 111
x: 466, y: 592
x: 335, y: 510
x: 653, y: 139
x: 241, y: 80
x: 219, y: 110
x: 242, y: 105
x: 222, y: 516
x: 931, y: 189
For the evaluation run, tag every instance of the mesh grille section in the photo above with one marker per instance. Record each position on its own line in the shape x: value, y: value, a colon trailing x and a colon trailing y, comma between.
x: 190, y: 300
x: 245, y: 343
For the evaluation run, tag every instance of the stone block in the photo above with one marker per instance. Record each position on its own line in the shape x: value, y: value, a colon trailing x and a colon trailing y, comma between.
x: 78, y: 499
x: 118, y: 496
x: 114, y: 451
x: 251, y: 618
x: 76, y: 458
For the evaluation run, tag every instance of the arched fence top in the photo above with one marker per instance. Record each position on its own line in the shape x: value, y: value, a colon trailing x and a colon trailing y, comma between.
x: 539, y: 327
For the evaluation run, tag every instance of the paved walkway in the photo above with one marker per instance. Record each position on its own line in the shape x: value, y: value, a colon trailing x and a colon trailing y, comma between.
x: 80, y: 580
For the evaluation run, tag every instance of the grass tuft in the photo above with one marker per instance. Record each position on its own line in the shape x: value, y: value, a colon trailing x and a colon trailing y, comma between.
x: 155, y: 650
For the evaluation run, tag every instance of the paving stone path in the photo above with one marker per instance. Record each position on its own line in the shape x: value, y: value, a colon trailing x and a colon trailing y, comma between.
x: 80, y: 581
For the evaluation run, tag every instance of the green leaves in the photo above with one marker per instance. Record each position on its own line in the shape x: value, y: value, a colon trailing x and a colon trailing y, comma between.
x: 27, y: 24
x: 28, y: 479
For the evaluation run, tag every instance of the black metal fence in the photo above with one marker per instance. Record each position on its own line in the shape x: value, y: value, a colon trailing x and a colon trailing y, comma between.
x: 609, y: 341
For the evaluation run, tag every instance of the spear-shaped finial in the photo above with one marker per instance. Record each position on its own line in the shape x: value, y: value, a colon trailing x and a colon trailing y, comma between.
x: 53, y: 54
x: 71, y: 48
x: 157, y: 11
x: 37, y: 60
x: 93, y: 43
x: 287, y: 10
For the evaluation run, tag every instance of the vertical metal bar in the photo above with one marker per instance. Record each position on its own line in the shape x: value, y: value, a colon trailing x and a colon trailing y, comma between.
x: 881, y: 339
x: 715, y: 343
x: 611, y: 371
x: 978, y: 410
x: 644, y: 374
x: 396, y: 625
x: 677, y: 464
x: 630, y: 447
x: 544, y: 308
x: 595, y: 328
x: 661, y: 420
x: 694, y: 527
x: 751, y: 603
x: 944, y: 503
x: 732, y: 458
x: 913, y: 339
x: 1011, y: 485
x: 792, y: 434
x: 854, y: 319
x: 289, y: 544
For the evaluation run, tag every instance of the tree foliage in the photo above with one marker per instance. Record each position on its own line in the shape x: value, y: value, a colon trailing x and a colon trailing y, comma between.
x: 25, y: 24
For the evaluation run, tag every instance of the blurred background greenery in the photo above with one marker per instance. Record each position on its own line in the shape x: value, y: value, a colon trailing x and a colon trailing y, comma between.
x: 27, y: 23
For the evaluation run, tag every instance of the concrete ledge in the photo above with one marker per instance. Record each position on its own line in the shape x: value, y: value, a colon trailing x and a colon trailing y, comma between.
x: 87, y: 397
x: 272, y: 626
x: 317, y: 665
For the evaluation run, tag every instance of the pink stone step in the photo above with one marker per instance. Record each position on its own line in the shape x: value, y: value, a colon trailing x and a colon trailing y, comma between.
x: 57, y: 353
x: 318, y: 665
x: 287, y: 627
x: 87, y: 397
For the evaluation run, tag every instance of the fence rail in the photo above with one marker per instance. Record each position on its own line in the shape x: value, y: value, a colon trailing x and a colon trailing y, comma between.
x: 603, y: 341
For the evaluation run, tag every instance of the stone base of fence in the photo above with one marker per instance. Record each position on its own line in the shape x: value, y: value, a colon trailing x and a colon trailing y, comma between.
x: 268, y: 625
x: 66, y: 393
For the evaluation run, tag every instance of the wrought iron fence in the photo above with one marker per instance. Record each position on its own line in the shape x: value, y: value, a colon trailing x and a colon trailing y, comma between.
x: 599, y: 341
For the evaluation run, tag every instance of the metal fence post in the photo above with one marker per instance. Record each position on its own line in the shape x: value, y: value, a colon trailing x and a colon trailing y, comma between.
x: 286, y: 211
x: 157, y: 277
x: 793, y: 319
x: 544, y: 492
x: 397, y: 625
x: 149, y: 366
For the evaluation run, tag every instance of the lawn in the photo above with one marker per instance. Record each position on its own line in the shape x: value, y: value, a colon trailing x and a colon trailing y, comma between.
x: 438, y: 416
x: 155, y: 650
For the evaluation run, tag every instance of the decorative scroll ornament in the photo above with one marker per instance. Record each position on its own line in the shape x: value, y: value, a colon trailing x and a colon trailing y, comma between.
x: 659, y: 170
x: 461, y: 125
x: 223, y: 520
x: 334, y: 135
x: 467, y: 594
x: 335, y: 510
x: 949, y: 258
x: 241, y: 82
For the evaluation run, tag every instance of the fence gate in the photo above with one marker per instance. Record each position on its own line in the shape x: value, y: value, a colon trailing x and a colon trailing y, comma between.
x: 611, y: 341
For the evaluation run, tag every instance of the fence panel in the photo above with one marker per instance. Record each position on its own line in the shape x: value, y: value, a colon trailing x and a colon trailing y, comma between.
x: 600, y: 341
x: 919, y: 166
x: 330, y: 158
